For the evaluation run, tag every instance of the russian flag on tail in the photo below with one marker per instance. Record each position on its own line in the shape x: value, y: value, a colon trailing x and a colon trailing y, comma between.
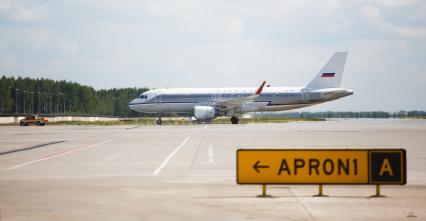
x: 327, y: 75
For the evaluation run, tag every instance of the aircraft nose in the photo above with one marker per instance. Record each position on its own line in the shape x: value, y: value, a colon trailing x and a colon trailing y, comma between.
x: 132, y: 104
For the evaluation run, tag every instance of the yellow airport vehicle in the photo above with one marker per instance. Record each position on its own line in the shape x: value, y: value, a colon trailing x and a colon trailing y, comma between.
x: 34, y: 120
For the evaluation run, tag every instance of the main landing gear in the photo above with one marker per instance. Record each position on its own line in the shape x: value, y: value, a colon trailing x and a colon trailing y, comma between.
x: 159, y: 121
x: 235, y: 120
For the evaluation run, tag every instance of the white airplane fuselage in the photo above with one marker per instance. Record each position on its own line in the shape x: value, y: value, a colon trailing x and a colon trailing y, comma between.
x: 208, y: 103
x: 184, y: 100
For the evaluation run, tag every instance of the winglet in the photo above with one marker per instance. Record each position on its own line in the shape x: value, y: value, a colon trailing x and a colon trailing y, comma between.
x: 259, y: 90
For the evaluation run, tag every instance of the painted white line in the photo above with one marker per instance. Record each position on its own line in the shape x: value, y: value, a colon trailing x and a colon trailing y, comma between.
x: 158, y: 170
x: 116, y: 155
x: 55, y: 155
x: 205, y: 127
x: 74, y: 177
x: 210, y: 154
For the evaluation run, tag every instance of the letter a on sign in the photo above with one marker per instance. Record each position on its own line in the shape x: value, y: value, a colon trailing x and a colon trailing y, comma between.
x: 386, y: 167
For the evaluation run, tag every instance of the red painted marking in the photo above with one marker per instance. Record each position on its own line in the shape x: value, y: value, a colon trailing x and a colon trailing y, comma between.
x: 259, y: 90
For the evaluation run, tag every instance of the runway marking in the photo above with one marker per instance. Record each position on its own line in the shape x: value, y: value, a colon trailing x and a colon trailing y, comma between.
x: 116, y: 155
x: 133, y: 127
x: 210, y: 154
x: 158, y: 170
x: 32, y: 147
x: 75, y: 177
x: 55, y: 155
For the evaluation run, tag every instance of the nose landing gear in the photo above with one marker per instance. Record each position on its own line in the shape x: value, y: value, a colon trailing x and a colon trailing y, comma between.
x: 159, y: 121
x: 235, y: 120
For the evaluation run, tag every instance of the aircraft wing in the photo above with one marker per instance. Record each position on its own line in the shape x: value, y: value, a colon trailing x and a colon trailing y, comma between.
x: 238, y: 102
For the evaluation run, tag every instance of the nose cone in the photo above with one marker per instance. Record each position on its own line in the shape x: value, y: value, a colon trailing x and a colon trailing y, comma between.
x: 132, y: 104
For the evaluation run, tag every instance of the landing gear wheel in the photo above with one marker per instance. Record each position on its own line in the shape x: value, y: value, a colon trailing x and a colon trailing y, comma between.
x: 234, y: 120
x: 159, y: 121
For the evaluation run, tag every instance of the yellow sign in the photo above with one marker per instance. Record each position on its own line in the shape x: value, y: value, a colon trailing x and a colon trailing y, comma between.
x: 325, y: 166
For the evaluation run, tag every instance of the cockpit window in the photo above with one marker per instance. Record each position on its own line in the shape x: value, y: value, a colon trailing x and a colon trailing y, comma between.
x: 143, y: 97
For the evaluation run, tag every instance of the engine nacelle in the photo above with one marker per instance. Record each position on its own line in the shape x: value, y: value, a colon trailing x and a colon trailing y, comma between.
x: 204, y: 112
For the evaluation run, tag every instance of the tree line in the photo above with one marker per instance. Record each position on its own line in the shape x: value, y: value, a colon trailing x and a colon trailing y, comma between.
x: 49, y: 97
x: 45, y: 96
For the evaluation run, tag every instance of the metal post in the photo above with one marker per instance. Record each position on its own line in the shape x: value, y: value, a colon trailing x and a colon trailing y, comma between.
x: 51, y: 103
x: 264, y: 192
x: 57, y: 101
x: 320, y: 191
x: 24, y: 102
x: 38, y: 103
x: 16, y: 101
x: 377, y: 192
x: 32, y: 102
x: 46, y: 100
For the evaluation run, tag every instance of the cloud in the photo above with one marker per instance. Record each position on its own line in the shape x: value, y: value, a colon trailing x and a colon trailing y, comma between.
x: 396, y: 3
x: 39, y: 38
x: 340, y: 27
x: 190, y: 43
x: 17, y: 11
x: 419, y: 13
x: 416, y: 32
x: 374, y: 14
x: 8, y: 61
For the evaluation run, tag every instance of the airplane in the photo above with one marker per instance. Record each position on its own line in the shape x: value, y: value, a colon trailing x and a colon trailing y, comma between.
x: 206, y: 104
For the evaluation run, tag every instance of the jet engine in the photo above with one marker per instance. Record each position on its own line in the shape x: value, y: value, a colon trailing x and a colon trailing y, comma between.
x: 204, y: 112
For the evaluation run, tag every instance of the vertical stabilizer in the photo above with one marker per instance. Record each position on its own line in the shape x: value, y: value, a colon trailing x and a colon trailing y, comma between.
x: 331, y: 74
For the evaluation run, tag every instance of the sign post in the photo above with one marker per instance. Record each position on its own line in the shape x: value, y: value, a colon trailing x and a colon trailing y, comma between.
x: 264, y: 192
x: 321, y: 167
x: 320, y: 192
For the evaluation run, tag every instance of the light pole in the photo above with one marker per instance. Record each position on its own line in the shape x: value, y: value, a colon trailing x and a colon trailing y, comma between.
x: 38, y: 102
x: 24, y: 101
x: 32, y: 102
x: 51, y: 103
x: 63, y: 109
x: 57, y: 101
x: 45, y: 103
x: 16, y: 101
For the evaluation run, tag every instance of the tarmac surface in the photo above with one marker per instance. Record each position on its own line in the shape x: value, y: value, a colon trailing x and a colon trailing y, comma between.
x: 188, y: 172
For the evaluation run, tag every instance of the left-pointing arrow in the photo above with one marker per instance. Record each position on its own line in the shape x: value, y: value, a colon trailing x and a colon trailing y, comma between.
x: 256, y: 166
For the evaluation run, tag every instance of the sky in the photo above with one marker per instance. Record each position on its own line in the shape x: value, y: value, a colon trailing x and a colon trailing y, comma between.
x: 218, y: 43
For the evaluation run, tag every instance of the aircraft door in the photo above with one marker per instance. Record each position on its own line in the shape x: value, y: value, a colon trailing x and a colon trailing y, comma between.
x: 305, y: 95
x: 216, y: 96
x: 157, y: 98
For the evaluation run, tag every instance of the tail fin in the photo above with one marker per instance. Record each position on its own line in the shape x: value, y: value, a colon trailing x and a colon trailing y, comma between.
x: 330, y: 75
